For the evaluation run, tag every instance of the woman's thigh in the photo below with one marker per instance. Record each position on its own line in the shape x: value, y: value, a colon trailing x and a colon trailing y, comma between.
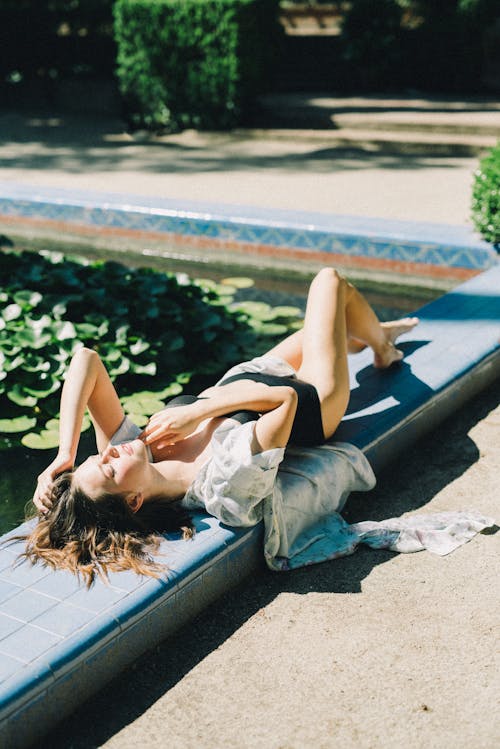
x: 324, y: 346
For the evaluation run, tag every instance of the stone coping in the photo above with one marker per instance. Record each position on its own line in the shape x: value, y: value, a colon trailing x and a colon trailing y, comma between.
x: 398, y: 246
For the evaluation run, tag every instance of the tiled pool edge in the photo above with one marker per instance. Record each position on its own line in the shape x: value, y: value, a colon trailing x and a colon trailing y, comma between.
x: 374, y: 244
x: 40, y: 700
x: 453, y: 372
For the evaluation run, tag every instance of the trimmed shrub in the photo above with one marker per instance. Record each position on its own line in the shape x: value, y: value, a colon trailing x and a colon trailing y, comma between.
x: 193, y: 63
x: 486, y: 196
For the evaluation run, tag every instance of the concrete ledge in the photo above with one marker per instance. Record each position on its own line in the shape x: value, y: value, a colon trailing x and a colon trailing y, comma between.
x: 60, y: 642
x: 396, y: 246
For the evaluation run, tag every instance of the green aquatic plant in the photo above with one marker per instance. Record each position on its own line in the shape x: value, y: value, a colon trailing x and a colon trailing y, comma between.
x: 154, y: 331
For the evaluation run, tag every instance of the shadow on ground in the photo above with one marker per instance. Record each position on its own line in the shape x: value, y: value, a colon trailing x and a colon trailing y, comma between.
x: 82, y: 145
x: 409, y: 484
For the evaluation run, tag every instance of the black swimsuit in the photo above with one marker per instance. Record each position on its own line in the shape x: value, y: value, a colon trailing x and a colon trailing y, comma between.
x: 307, y: 429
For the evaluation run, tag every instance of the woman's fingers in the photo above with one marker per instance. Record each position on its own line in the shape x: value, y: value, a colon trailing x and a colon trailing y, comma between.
x: 153, y: 434
x: 42, y: 499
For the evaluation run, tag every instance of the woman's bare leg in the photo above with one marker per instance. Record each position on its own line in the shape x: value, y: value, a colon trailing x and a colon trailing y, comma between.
x: 324, y: 346
x: 338, y: 320
x: 363, y: 329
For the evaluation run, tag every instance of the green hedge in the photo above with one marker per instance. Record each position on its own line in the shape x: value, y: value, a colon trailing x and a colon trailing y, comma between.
x: 193, y: 63
x: 486, y: 196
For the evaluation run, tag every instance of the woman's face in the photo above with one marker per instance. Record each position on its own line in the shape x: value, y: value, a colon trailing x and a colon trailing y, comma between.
x: 120, y: 469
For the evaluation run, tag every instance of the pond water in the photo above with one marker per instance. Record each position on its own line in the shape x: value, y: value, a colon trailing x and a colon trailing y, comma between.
x: 20, y: 466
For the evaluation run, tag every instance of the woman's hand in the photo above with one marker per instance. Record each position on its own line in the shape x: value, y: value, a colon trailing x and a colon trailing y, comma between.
x: 171, y: 425
x: 41, y: 498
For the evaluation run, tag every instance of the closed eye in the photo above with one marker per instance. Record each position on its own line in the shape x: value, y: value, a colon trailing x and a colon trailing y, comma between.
x: 107, y: 470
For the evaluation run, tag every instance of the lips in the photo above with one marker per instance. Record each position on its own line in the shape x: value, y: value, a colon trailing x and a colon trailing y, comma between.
x: 127, y: 448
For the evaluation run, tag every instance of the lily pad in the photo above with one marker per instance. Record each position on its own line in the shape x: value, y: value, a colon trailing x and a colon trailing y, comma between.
x: 145, y: 406
x: 286, y: 311
x: 47, y: 439
x: 140, y: 419
x: 18, y: 395
x: 65, y: 331
x: 42, y: 392
x: 27, y: 299
x: 12, y: 312
x: 18, y: 424
x: 143, y: 369
x: 238, y: 282
x: 139, y: 347
x: 270, y: 329
x: 120, y: 367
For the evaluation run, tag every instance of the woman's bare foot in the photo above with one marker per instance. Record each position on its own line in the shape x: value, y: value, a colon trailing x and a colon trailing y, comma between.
x: 392, y: 328
x: 389, y: 354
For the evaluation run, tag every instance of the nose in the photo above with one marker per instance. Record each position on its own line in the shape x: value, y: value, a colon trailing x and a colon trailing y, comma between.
x: 110, y: 451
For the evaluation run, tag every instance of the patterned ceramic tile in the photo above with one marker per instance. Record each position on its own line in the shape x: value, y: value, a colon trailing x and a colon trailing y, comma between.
x: 352, y: 237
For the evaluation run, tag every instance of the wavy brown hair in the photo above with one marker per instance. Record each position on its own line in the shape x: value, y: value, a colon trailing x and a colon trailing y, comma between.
x: 91, y: 537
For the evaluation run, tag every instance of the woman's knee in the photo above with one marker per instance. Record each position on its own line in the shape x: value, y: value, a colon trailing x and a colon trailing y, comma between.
x: 85, y: 353
x: 330, y: 278
x: 330, y: 275
x: 86, y: 358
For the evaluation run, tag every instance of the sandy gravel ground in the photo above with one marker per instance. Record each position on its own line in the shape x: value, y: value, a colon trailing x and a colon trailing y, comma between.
x: 376, y: 650
x: 301, y: 174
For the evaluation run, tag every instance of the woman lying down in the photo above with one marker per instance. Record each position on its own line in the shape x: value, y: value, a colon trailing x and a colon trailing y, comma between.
x: 224, y: 451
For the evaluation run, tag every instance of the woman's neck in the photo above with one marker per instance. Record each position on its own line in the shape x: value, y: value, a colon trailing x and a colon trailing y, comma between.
x: 176, y: 466
x: 170, y: 479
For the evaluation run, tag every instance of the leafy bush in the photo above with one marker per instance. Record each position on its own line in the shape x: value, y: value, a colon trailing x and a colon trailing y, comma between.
x: 486, y: 196
x: 153, y: 330
x: 192, y: 63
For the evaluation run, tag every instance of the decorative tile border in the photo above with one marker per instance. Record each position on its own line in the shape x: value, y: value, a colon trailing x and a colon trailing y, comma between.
x: 393, y: 245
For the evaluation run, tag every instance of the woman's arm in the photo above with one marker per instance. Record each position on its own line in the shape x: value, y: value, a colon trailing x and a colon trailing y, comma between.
x: 87, y: 384
x: 174, y: 424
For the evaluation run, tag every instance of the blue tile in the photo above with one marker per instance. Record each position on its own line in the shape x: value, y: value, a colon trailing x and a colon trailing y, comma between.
x: 99, y: 598
x: 28, y: 643
x: 8, y: 666
x: 59, y: 584
x: 6, y: 561
x: 127, y: 581
x: 23, y: 688
x: 14, y: 546
x: 7, y: 590
x: 27, y: 605
x: 24, y: 574
x: 137, y: 604
x: 63, y: 619
x: 77, y: 646
x: 8, y: 625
